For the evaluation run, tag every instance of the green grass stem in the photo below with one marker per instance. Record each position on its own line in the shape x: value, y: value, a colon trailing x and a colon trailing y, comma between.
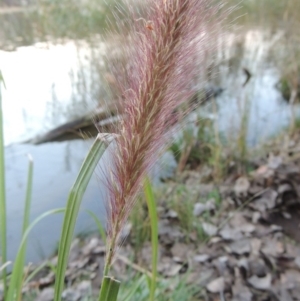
x: 20, y: 279
x: 154, y: 234
x: 134, y: 287
x: 99, y: 225
x: 72, y: 209
x: 109, y: 289
x: 12, y: 293
x: 39, y: 268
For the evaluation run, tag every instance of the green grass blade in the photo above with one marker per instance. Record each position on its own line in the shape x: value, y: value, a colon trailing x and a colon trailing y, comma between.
x: 72, y: 209
x: 154, y: 234
x: 99, y: 225
x: 109, y: 289
x: 134, y: 288
x: 3, y: 239
x: 35, y: 272
x: 19, y: 282
x: 18, y: 264
x: 5, y: 265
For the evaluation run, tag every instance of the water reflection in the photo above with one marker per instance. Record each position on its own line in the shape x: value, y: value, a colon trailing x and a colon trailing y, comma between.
x: 266, y: 110
x: 47, y: 85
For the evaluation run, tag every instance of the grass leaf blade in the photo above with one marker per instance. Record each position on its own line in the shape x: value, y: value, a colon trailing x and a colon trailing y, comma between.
x: 154, y: 234
x: 72, y: 209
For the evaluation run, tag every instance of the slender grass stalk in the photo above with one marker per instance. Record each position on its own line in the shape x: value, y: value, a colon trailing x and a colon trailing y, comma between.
x: 99, y: 225
x: 135, y: 287
x: 3, y: 238
x: 25, y: 226
x: 73, y: 205
x: 12, y: 293
x: 154, y: 234
x: 5, y: 265
x: 39, y: 268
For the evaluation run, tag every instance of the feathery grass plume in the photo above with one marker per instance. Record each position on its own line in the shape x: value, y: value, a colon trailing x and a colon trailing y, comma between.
x: 166, y: 47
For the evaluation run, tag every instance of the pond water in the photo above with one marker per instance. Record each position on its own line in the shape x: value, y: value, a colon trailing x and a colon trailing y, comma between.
x: 48, y: 85
x: 267, y: 111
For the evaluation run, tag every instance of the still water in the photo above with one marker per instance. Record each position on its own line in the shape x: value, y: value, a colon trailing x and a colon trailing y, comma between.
x: 267, y: 112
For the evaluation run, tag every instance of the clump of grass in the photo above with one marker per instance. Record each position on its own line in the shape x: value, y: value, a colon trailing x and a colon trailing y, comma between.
x: 182, y: 200
x: 193, y: 146
x: 141, y: 230
x: 201, y: 145
x: 175, y: 289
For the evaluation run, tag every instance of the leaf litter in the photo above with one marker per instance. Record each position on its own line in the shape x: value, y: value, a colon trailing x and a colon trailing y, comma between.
x: 249, y: 250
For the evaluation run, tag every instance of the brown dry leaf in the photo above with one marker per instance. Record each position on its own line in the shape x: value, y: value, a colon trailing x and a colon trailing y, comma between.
x: 201, y: 258
x: 285, y: 187
x: 181, y: 251
x: 221, y: 265
x: 266, y: 201
x: 290, y: 279
x: 241, y: 293
x: 247, y: 228
x: 297, y: 261
x: 261, y: 171
x: 241, y: 186
x: 258, y: 267
x: 92, y: 244
x: 255, y: 246
x: 274, y: 161
x: 209, y: 229
x: 75, y: 250
x: 173, y: 270
x: 46, y: 294
x: 243, y: 266
x: 168, y: 231
x: 199, y: 208
x: 49, y: 279
x: 216, y: 285
x: 240, y: 247
x: 256, y: 217
x: 229, y: 233
x: 295, y: 293
x: 261, y: 283
x: 171, y: 214
x: 284, y: 295
x: 237, y: 219
x: 99, y: 250
x: 202, y: 277
x: 272, y: 247
x: 70, y: 294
